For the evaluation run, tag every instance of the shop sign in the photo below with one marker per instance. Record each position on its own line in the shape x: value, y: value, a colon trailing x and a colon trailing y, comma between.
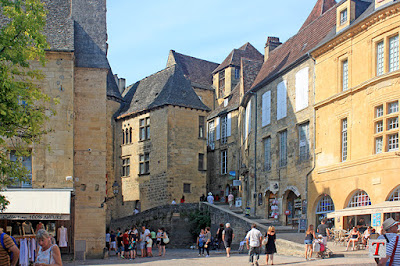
x: 287, y: 212
x: 237, y: 183
x: 377, y: 248
x: 376, y: 219
x: 232, y: 173
x: 238, y: 202
x: 34, y: 216
x: 274, y: 187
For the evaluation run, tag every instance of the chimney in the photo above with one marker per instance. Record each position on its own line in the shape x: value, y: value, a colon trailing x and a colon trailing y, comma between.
x: 272, y: 43
x: 121, y: 84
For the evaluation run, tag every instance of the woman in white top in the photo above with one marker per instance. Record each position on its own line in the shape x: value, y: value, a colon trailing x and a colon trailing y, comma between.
x: 48, y: 253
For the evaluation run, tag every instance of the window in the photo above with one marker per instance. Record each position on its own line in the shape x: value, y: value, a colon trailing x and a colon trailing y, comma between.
x: 130, y: 135
x: 345, y: 75
x: 343, y: 17
x: 379, y: 111
x: 126, y: 136
x: 380, y: 58
x: 123, y: 137
x: 344, y: 139
x: 393, y: 142
x: 359, y: 199
x: 378, y: 145
x: 221, y: 84
x: 201, y: 127
x: 144, y: 163
x: 393, y: 107
x: 237, y: 73
x: 379, y: 126
x: 186, y: 188
x: 394, y: 53
x: 224, y: 162
x: 283, y: 148
x: 26, y: 162
x: 266, y: 108
x: 302, y: 80
x: 281, y: 108
x: 325, y: 205
x: 201, y: 161
x: 267, y: 154
x: 395, y: 196
x: 144, y: 128
x: 211, y: 136
x: 224, y: 129
x: 126, y: 167
x: 304, y: 142
x: 226, y: 101
x: 393, y: 123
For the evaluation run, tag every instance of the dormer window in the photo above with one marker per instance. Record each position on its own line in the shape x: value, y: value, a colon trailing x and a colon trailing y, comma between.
x: 343, y: 17
x: 221, y: 84
x: 237, y: 73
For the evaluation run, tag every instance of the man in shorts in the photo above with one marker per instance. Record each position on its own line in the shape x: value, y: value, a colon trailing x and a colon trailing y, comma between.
x: 323, y: 229
x: 227, y: 237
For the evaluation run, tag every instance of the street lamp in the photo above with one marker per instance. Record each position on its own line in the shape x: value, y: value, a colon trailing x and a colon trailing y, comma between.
x: 115, y: 188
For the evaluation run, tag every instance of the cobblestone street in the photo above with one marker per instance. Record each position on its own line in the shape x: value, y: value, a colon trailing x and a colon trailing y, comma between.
x: 190, y: 257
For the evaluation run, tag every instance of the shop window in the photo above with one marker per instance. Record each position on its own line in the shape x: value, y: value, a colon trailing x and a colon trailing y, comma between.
x: 395, y: 196
x: 359, y: 199
x: 325, y: 205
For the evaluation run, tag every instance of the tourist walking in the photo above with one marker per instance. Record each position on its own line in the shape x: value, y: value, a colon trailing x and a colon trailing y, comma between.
x: 230, y: 200
x: 323, y: 229
x: 120, y: 244
x: 210, y: 198
x: 270, y: 247
x: 200, y: 242
x: 164, y: 240
x: 48, y: 253
x: 183, y: 199
x: 143, y: 236
x: 308, y: 241
x: 218, y: 235
x: 125, y: 241
x: 227, y: 237
x: 207, y: 238
x: 8, y: 245
x: 253, y: 243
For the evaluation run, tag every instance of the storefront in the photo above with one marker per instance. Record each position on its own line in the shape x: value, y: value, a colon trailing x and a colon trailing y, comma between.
x: 325, y: 205
x: 33, y: 209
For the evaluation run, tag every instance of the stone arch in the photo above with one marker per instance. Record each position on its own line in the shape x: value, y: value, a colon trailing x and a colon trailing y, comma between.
x: 394, y: 194
x: 358, y: 198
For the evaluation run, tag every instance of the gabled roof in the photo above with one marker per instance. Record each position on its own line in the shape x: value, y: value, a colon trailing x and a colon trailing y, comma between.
x: 320, y: 8
x: 198, y: 71
x: 233, y: 59
x: 166, y: 87
x: 112, y: 87
x: 250, y: 69
x: 297, y: 47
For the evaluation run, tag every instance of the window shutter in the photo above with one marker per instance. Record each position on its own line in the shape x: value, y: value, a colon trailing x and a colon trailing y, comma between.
x: 281, y: 107
x: 217, y: 126
x: 302, y: 89
x: 249, y: 120
x: 266, y: 108
x: 229, y: 125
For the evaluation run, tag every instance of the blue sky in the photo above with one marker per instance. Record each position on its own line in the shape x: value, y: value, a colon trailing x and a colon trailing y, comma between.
x: 141, y: 33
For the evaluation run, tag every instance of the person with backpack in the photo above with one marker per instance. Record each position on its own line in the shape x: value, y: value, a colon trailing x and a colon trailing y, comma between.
x: 9, y: 252
x: 48, y: 253
x: 390, y: 228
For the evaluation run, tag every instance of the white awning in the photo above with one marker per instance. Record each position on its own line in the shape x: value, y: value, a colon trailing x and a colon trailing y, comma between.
x: 38, y: 201
x: 384, y: 207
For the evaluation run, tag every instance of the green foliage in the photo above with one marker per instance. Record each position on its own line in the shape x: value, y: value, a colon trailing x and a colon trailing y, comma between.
x: 199, y: 219
x: 23, y: 106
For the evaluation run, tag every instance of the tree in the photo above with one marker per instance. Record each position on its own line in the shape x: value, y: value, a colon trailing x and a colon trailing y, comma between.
x: 23, y: 105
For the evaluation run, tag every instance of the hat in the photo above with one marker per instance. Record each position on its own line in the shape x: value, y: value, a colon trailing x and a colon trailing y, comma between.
x: 389, y: 223
x: 209, y: 194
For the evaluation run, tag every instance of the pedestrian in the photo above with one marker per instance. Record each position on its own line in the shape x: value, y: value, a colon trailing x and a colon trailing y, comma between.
x: 253, y: 243
x: 164, y: 237
x: 389, y: 232
x: 173, y: 202
x: 323, y: 229
x: 207, y: 238
x: 210, y: 198
x: 230, y: 200
x: 136, y: 211
x: 143, y: 236
x: 227, y: 238
x: 108, y: 239
x: 310, y: 235
x: 8, y: 245
x: 125, y: 241
x: 113, y: 245
x: 183, y: 199
x: 153, y: 237
x: 133, y: 239
x: 270, y: 246
x: 159, y: 240
x: 120, y: 244
x: 48, y: 253
x: 218, y: 235
x: 392, y: 250
x: 200, y: 242
x: 149, y: 245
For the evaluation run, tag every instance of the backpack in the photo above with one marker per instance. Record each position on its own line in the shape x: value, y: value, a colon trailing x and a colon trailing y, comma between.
x: 10, y: 254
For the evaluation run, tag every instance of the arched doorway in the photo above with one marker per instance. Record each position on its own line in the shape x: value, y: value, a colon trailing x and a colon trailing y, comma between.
x: 359, y: 198
x: 325, y: 205
x: 293, y: 207
x: 394, y: 196
x: 271, y: 205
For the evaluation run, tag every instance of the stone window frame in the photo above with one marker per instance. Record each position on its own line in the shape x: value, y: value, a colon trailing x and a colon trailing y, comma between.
x: 325, y: 205
x: 201, y: 159
x: 395, y: 195
x: 187, y: 188
x: 359, y: 199
x: 144, y: 163
x: 267, y: 153
x: 144, y: 129
x: 344, y: 139
x: 211, y: 136
x: 345, y: 74
x: 22, y: 160
x: 126, y: 171
x: 221, y: 83
x: 237, y: 72
x: 386, y: 127
x: 283, y: 148
x: 387, y: 54
x: 224, y: 129
x: 304, y: 150
x: 224, y: 162
x: 393, y: 53
x: 343, y: 16
x: 201, y: 127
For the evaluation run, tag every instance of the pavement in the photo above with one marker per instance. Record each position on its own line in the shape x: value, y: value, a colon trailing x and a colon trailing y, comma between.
x: 190, y: 257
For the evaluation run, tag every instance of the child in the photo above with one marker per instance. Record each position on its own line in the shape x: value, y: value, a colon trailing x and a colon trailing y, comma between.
x: 149, y: 244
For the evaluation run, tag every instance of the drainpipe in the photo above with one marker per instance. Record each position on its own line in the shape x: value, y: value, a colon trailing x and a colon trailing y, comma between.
x: 314, y: 137
x: 255, y: 153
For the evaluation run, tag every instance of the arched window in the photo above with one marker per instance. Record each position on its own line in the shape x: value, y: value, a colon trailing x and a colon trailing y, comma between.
x: 126, y: 136
x: 395, y: 196
x: 130, y: 135
x: 123, y: 137
x: 359, y: 199
x: 325, y: 205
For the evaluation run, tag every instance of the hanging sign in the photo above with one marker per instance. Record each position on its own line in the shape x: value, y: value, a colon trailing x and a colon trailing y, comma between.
x: 287, y: 212
x: 232, y: 173
x: 237, y: 183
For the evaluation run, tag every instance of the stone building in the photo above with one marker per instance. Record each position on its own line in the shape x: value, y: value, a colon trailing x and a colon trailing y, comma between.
x: 234, y: 75
x: 277, y: 122
x: 68, y: 168
x: 160, y: 136
x: 357, y: 93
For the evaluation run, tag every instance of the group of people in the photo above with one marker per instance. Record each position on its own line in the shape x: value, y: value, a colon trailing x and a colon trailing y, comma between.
x: 210, y: 199
x: 48, y: 253
x: 127, y: 243
x: 255, y: 240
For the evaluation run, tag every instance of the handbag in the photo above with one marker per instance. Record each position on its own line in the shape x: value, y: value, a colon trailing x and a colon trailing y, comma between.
x: 264, y: 242
x: 394, y: 251
x: 166, y: 239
